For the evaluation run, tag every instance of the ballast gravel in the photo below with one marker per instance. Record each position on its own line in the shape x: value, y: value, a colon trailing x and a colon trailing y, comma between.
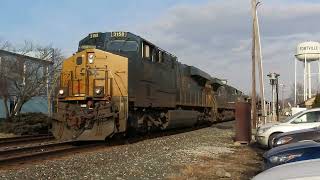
x: 200, y: 154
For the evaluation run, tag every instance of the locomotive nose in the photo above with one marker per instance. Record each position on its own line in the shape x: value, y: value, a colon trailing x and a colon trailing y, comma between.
x: 85, y: 75
x: 93, y: 86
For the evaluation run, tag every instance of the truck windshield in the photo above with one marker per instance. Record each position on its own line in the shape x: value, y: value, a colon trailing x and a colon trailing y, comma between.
x: 122, y: 45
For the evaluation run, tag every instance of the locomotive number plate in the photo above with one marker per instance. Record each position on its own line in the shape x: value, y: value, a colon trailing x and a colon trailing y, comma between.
x: 119, y: 34
x: 94, y: 35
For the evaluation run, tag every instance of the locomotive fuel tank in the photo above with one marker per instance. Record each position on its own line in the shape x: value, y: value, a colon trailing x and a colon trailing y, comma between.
x: 181, y: 119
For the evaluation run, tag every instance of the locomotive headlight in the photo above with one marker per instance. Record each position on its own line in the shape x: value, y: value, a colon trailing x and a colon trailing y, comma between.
x: 61, y: 91
x: 90, y: 58
x: 98, y: 91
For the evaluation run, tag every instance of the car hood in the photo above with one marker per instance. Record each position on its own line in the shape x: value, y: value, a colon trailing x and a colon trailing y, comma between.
x: 300, y: 170
x: 302, y: 131
x: 291, y: 147
x: 267, y: 125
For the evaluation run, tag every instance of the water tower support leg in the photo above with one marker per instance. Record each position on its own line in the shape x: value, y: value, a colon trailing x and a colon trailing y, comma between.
x: 309, y: 80
x: 304, y: 81
x: 295, y: 81
x: 304, y: 78
x: 318, y: 72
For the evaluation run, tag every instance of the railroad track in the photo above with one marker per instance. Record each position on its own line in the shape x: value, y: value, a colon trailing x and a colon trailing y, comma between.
x: 37, y: 152
x: 40, y: 152
x: 5, y: 142
x: 30, y: 153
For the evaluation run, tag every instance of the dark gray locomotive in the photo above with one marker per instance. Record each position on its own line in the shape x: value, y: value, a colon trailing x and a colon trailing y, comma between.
x: 160, y: 93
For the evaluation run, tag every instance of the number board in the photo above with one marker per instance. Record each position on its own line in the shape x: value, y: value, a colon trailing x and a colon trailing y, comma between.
x: 119, y: 34
x: 94, y: 35
x: 88, y: 47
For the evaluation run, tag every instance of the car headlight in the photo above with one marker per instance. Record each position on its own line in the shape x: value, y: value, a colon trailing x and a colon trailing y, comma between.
x: 262, y: 130
x: 90, y: 58
x: 61, y: 91
x: 280, y: 159
x: 283, y: 140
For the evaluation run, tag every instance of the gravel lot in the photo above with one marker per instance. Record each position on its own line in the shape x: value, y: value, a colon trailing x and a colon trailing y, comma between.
x: 5, y: 135
x: 207, y: 153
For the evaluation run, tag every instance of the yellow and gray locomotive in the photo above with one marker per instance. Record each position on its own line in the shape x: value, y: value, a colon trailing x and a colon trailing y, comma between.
x: 118, y: 83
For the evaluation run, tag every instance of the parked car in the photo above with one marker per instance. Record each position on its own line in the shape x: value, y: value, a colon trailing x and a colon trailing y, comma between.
x: 299, y: 151
x: 306, y: 170
x: 296, y: 136
x: 302, y: 120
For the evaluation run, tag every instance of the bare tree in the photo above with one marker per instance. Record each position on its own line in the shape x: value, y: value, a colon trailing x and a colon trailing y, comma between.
x: 299, y: 93
x: 24, y: 79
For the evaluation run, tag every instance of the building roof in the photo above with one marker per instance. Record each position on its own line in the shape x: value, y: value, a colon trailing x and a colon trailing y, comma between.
x: 8, y: 53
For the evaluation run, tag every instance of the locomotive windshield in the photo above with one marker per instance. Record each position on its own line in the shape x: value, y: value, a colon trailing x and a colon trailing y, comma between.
x: 94, y: 40
x: 122, y: 45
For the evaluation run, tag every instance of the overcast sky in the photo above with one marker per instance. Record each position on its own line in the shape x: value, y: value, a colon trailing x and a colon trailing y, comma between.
x: 214, y: 35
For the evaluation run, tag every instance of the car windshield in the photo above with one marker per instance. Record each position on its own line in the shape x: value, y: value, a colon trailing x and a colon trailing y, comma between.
x: 291, y: 117
x: 122, y: 45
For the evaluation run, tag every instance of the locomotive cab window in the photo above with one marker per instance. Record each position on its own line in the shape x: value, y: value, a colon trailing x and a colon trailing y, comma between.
x: 152, y: 53
x: 160, y: 57
x: 146, y: 51
x: 79, y: 60
x: 93, y: 40
x: 173, y: 62
x: 155, y: 56
x: 122, y: 45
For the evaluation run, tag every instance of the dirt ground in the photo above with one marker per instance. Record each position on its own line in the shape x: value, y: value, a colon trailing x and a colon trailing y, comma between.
x: 243, y: 163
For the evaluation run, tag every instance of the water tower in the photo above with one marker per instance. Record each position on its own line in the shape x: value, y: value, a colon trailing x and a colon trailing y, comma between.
x: 307, y: 52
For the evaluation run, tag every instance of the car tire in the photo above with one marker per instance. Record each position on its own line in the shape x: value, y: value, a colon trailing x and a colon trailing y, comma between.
x: 271, y: 137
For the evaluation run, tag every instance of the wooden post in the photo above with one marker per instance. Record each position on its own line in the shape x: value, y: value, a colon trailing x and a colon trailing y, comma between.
x: 253, y: 73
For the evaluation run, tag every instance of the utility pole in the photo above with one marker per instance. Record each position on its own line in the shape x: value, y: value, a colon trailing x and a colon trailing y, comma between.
x: 253, y: 94
x: 282, y: 86
x: 260, y: 65
x: 253, y: 73
x: 277, y: 91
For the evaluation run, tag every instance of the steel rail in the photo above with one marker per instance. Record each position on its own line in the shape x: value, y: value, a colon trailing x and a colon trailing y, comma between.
x: 41, y: 152
x: 24, y: 140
